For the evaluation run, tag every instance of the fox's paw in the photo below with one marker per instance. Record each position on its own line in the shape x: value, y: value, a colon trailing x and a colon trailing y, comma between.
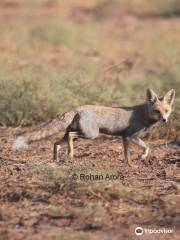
x: 56, y: 159
x: 70, y: 155
x: 143, y: 157
x: 132, y: 165
x: 145, y: 154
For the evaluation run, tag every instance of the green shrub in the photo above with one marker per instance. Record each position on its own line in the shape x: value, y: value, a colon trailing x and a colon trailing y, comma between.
x: 29, y: 97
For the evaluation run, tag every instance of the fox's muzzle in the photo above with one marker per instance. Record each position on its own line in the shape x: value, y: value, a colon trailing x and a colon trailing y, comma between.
x: 164, y: 120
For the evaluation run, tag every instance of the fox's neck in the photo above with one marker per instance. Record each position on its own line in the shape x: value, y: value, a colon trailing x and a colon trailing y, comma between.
x: 147, y: 120
x: 139, y: 119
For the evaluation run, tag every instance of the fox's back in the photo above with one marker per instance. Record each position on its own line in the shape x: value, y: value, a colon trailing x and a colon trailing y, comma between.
x: 108, y: 119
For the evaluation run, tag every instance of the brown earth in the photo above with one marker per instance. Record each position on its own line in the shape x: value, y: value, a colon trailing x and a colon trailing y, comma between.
x: 41, y: 199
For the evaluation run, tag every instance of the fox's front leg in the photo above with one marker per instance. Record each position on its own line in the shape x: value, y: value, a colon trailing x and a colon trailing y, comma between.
x: 143, y: 145
x: 126, y: 145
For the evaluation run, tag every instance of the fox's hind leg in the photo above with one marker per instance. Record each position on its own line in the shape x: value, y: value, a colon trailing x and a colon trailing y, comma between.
x: 71, y: 137
x: 82, y: 126
x: 85, y: 131
x: 68, y: 138
x: 57, y: 146
x: 143, y: 145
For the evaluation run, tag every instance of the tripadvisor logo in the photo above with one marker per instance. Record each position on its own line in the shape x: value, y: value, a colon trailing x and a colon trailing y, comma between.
x: 139, y: 231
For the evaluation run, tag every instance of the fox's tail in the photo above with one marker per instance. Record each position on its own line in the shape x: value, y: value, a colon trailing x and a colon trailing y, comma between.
x: 60, y: 123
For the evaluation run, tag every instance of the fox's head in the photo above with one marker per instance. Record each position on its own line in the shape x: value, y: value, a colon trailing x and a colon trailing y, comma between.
x: 159, y: 108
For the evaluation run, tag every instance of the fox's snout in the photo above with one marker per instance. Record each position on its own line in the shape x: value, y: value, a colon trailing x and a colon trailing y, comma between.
x: 164, y: 120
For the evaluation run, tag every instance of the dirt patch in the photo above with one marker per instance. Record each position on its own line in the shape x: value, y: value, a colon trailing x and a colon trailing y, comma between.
x: 93, y: 196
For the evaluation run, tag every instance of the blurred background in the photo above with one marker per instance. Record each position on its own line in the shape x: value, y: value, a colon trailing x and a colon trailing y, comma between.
x: 57, y: 54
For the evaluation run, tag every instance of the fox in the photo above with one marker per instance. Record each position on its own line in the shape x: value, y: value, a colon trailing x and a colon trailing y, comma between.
x: 89, y: 121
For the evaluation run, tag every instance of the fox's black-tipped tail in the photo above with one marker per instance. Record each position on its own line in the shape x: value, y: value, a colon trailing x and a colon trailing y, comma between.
x: 60, y: 123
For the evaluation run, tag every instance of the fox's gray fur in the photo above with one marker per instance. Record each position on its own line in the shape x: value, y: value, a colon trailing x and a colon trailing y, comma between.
x: 89, y: 121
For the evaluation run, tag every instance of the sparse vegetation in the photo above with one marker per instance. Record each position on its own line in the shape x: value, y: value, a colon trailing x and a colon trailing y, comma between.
x: 141, y: 8
x: 51, y: 64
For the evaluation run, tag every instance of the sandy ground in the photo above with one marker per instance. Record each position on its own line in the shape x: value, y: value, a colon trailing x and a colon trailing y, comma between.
x: 42, y: 199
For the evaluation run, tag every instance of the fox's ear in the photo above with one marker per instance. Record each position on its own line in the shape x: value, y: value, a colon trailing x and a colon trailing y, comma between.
x: 151, y: 96
x: 170, y: 96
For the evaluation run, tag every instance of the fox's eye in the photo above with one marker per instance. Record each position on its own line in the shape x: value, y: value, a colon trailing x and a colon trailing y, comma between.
x: 157, y: 111
x: 166, y: 110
